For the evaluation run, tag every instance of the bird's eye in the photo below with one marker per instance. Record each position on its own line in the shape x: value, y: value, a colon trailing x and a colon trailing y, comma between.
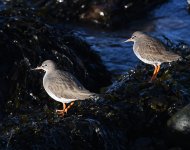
x: 45, y: 65
x: 133, y: 36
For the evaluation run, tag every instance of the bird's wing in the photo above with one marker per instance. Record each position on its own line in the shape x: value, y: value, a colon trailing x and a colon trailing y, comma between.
x: 153, y: 50
x: 65, y: 85
x: 154, y: 46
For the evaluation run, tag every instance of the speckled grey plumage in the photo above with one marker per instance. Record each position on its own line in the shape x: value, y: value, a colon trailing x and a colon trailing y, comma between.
x: 151, y: 50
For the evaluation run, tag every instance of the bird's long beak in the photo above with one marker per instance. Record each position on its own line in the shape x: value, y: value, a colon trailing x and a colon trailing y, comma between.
x: 37, y: 68
x: 128, y: 40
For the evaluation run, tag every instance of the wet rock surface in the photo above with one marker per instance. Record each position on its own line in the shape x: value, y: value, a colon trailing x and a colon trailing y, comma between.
x: 107, y: 13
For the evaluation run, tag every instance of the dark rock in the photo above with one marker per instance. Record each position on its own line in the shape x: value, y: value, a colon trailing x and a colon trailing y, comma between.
x: 181, y: 120
x: 132, y: 115
x: 108, y: 13
x: 188, y: 5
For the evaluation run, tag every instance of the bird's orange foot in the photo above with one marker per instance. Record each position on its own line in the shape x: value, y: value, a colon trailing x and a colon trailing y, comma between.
x: 66, y: 109
x: 60, y: 112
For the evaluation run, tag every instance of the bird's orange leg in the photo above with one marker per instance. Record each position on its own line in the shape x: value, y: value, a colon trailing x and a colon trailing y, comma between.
x: 155, y: 73
x: 158, y: 69
x: 62, y: 111
x: 68, y: 107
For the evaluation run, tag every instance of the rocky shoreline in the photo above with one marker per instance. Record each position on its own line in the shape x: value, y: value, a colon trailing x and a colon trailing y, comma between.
x: 122, y: 118
x: 130, y: 114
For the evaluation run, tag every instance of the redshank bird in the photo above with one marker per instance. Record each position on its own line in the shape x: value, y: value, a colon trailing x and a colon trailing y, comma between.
x: 151, y: 51
x: 62, y: 86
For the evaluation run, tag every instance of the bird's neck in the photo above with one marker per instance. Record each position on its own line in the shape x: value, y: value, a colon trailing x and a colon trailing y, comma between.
x: 46, y: 73
x: 50, y: 70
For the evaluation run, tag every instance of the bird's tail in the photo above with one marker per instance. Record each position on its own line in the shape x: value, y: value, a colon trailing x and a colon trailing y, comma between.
x: 173, y: 57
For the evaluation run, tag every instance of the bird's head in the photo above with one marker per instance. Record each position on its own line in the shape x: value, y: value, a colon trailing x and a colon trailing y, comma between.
x: 135, y: 36
x: 47, y: 65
